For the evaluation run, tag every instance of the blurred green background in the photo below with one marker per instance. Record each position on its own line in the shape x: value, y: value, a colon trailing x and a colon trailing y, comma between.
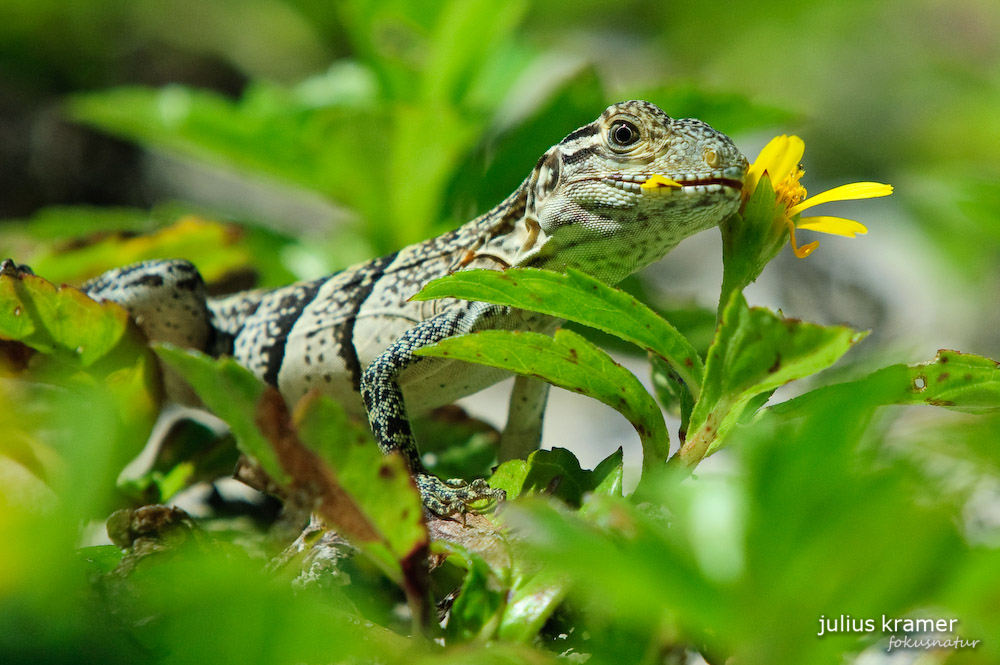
x: 366, y: 125
x: 335, y: 131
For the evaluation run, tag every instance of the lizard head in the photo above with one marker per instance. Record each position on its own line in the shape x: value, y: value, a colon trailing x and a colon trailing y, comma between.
x: 620, y: 192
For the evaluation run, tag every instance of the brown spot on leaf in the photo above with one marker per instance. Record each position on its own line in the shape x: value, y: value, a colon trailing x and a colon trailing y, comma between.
x: 553, y: 485
x: 14, y: 356
x: 943, y: 376
x: 941, y: 402
x: 776, y: 366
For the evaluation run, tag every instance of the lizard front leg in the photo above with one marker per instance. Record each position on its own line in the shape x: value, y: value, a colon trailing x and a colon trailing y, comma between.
x: 383, y: 399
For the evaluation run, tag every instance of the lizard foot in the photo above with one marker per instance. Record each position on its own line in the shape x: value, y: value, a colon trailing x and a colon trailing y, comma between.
x: 448, y: 497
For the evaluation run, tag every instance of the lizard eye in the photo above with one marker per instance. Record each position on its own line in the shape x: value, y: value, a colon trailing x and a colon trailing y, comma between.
x: 623, y: 134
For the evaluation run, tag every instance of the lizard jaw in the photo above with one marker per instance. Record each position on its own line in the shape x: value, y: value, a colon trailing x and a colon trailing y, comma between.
x: 688, y: 183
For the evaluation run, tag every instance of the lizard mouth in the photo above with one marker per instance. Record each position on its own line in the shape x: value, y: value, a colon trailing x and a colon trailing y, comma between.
x: 660, y: 185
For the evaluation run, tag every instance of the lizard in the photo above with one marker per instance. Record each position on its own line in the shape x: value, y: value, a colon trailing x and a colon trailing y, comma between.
x: 612, y: 197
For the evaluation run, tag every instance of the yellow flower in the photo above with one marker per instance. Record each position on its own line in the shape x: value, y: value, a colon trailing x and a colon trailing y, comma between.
x: 779, y: 161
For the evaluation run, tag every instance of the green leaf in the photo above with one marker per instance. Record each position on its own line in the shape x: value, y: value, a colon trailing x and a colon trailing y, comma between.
x: 59, y: 320
x: 571, y: 362
x: 577, y: 297
x: 475, y: 614
x: 959, y: 381
x: 533, y: 599
x: 16, y: 322
x: 232, y: 393
x: 535, y: 595
x: 103, y: 558
x: 381, y: 484
x: 436, y: 47
x: 328, y: 148
x: 267, y: 131
x: 273, y: 131
x: 734, y: 544
x: 59, y: 222
x: 954, y: 380
x: 193, y: 594
x: 755, y: 351
x: 73, y: 430
x: 465, y: 35
x: 90, y: 361
x: 877, y: 549
x: 633, y: 567
x: 510, y: 477
x: 608, y: 475
x: 557, y: 473
x: 369, y: 497
x: 419, y: 199
x: 210, y: 245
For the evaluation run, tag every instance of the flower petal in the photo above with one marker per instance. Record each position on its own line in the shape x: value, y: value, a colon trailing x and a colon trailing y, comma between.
x: 777, y: 159
x: 789, y: 160
x: 848, y: 192
x: 837, y: 226
x: 656, y: 181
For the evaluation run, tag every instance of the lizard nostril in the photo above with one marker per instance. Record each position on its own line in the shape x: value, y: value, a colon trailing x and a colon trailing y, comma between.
x: 711, y: 157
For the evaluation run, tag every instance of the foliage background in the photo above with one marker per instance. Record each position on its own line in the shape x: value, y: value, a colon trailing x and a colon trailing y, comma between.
x: 898, y: 92
x: 319, y: 162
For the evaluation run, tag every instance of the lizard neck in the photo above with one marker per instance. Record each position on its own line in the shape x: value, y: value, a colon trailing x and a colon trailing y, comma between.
x: 504, y: 235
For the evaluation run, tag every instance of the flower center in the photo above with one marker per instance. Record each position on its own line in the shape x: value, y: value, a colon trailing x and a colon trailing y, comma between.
x: 788, y: 193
